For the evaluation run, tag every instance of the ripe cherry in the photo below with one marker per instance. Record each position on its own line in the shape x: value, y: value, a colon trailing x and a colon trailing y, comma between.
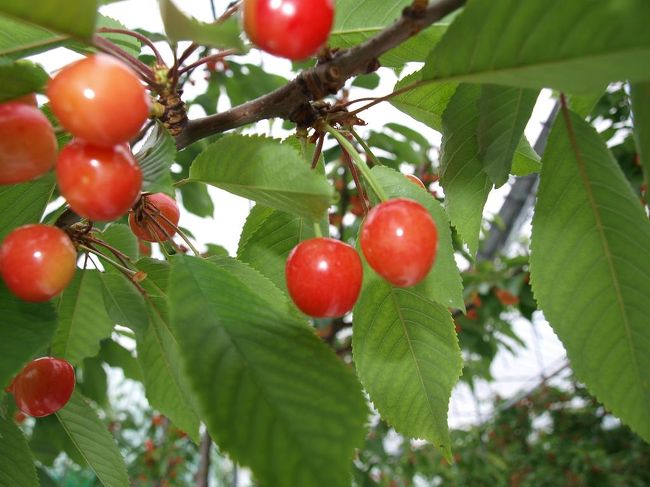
x: 294, y: 29
x: 154, y: 218
x: 415, y: 180
x: 27, y: 143
x: 399, y: 240
x: 37, y: 262
x: 99, y: 183
x: 324, y: 277
x: 44, y: 386
x: 100, y: 100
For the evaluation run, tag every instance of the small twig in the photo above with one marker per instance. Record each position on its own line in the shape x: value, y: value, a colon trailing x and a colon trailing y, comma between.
x: 140, y: 37
x: 387, y: 97
x: 203, y: 472
x: 124, y: 269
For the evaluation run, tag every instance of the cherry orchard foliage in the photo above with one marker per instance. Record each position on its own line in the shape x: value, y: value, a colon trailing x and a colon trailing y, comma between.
x: 218, y: 340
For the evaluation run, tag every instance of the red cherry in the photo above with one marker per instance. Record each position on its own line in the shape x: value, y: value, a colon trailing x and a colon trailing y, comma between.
x: 99, y: 183
x: 19, y: 417
x: 324, y: 277
x: 158, y: 205
x: 399, y: 240
x: 99, y: 99
x: 44, y: 386
x: 27, y: 143
x: 37, y: 262
x: 295, y: 29
x: 415, y: 180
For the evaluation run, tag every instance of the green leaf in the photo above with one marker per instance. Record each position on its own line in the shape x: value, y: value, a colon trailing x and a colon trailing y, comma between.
x: 25, y: 329
x: 461, y: 171
x: 121, y: 237
x: 93, y: 440
x: 590, y: 262
x: 545, y: 44
x: 197, y: 199
x: 166, y: 384
x: 123, y: 302
x: 155, y: 158
x: 640, y: 94
x: 116, y: 355
x: 179, y: 27
x: 16, y: 461
x: 358, y: 20
x: 73, y: 17
x: 82, y: 323
x: 407, y: 357
x: 426, y: 103
x: 368, y: 81
x: 274, y: 396
x: 24, y: 203
x: 504, y: 112
x: 47, y: 440
x: 18, y: 39
x: 265, y: 171
x: 94, y: 385
x: 267, y: 247
x: 20, y: 78
x: 443, y: 284
x: 526, y: 160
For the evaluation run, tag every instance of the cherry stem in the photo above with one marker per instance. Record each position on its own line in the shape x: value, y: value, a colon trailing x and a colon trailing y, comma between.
x: 365, y: 146
x: 317, y: 230
x: 114, y: 263
x: 140, y: 37
x: 124, y: 259
x: 360, y: 163
x: 141, y: 68
x: 318, y: 151
x: 387, y: 97
x: 173, y: 225
x: 357, y: 182
x: 214, y: 57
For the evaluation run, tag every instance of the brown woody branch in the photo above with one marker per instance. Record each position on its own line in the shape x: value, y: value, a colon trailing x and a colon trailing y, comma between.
x: 293, y: 101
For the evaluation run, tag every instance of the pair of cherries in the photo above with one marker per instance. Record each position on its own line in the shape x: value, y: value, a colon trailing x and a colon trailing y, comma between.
x: 399, y: 240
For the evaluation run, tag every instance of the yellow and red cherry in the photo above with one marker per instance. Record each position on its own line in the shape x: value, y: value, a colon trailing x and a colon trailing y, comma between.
x: 399, y: 239
x: 37, y: 262
x: 27, y: 143
x: 99, y: 183
x: 324, y: 277
x: 44, y: 386
x: 155, y: 218
x: 99, y: 99
x: 294, y: 29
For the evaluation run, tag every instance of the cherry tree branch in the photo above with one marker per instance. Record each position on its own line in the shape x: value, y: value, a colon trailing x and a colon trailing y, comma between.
x: 292, y: 101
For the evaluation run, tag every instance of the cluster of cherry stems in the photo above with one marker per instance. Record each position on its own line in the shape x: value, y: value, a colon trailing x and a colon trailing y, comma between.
x: 101, y: 181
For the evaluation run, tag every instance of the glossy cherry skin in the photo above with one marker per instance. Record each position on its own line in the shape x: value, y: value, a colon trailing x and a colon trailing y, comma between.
x: 415, y: 180
x: 399, y: 239
x: 157, y: 204
x: 27, y: 143
x: 324, y: 277
x: 99, y: 183
x: 44, y: 386
x: 100, y: 100
x: 37, y: 262
x: 294, y: 29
